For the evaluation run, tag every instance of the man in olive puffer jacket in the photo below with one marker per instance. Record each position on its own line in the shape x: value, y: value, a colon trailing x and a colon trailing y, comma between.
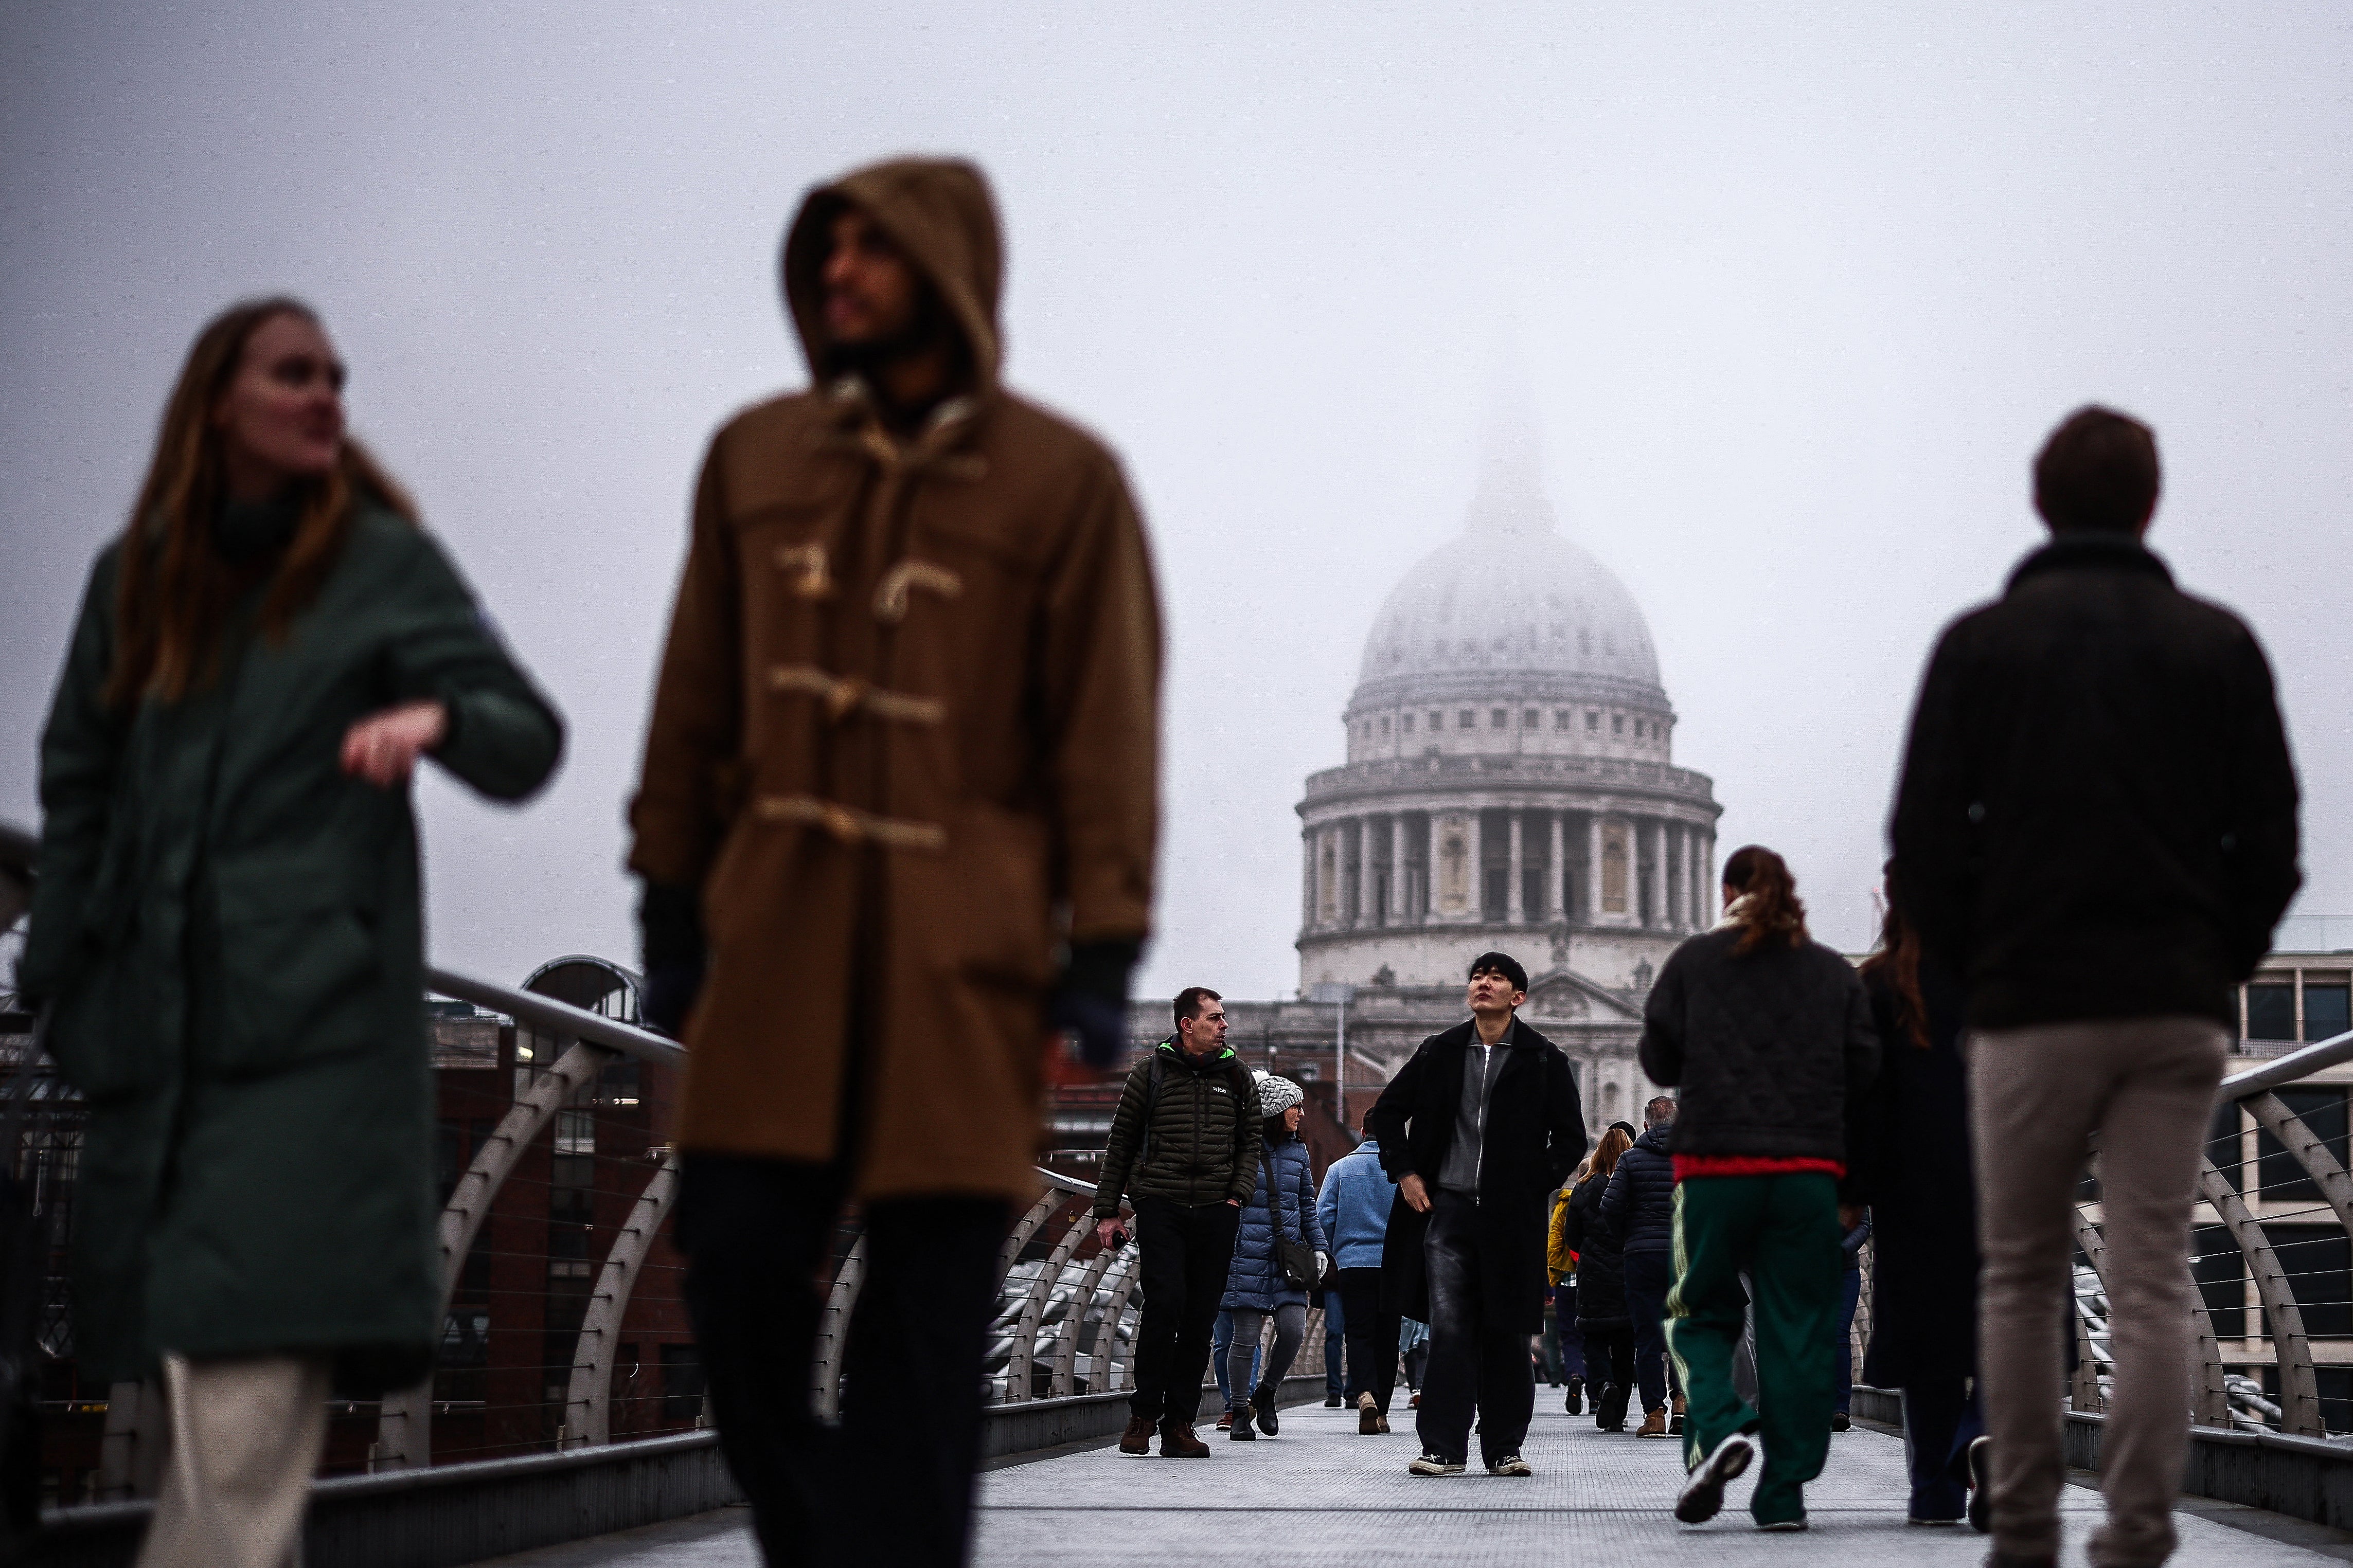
x: 1183, y: 1148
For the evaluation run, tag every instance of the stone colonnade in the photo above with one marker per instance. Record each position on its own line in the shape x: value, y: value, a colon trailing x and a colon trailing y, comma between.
x: 1513, y: 864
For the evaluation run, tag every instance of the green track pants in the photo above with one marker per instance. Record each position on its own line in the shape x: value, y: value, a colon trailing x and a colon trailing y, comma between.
x: 1782, y: 1231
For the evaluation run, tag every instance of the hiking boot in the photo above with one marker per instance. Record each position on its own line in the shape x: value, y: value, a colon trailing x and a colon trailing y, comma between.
x: 1177, y: 1442
x: 1261, y: 1404
x: 1576, y: 1394
x: 1654, y: 1424
x: 1225, y: 1419
x: 1333, y: 1402
x: 1137, y: 1438
x: 1509, y: 1465
x: 1242, y: 1430
x: 1841, y: 1421
x: 1435, y: 1465
x: 1676, y: 1417
x: 1704, y: 1493
x: 1368, y: 1415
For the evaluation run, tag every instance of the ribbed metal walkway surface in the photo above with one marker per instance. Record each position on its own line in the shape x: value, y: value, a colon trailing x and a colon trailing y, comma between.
x: 1322, y: 1496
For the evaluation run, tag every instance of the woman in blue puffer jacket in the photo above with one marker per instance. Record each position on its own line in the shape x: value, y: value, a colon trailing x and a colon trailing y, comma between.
x: 1255, y: 1288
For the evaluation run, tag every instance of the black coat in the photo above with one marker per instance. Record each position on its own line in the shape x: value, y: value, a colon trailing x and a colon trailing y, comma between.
x: 2098, y: 813
x: 1912, y: 1166
x: 1601, y: 1263
x: 1535, y: 1136
x: 1640, y: 1205
x: 1772, y: 1049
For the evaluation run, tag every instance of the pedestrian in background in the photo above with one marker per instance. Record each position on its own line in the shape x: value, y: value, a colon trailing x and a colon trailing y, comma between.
x: 1184, y: 1147
x: 1354, y: 1209
x: 2096, y: 828
x: 1638, y: 1207
x: 1767, y: 1036
x: 1850, y: 1246
x: 1603, y: 1318
x: 1279, y: 1256
x: 1413, y: 1353
x: 1560, y: 1268
x: 1221, y: 1339
x: 1481, y: 1122
x: 1912, y: 1166
x: 229, y: 927
x: 1336, y: 1341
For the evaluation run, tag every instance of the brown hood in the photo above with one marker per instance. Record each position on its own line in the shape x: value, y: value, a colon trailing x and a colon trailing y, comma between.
x: 940, y: 212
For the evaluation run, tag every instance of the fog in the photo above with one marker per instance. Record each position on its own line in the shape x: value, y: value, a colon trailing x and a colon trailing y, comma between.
x: 1795, y: 292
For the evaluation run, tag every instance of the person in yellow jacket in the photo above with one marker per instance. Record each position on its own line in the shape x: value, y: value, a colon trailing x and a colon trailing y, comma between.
x: 1560, y: 1270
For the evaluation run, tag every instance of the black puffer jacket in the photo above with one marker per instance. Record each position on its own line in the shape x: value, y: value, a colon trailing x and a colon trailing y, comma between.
x: 1639, y: 1206
x: 2097, y: 815
x: 1204, y: 1132
x: 1772, y: 1049
x: 1600, y: 1266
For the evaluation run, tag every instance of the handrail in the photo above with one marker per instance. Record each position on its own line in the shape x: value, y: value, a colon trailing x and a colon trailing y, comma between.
x: 2297, y: 1064
x: 559, y: 1018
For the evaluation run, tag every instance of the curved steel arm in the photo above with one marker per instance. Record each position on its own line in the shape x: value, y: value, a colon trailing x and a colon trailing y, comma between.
x: 588, y: 1403
x: 2310, y: 1152
x: 2299, y: 1390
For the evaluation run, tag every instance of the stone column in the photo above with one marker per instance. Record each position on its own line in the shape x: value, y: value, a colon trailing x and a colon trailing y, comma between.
x: 1307, y: 879
x: 1363, y: 871
x: 1656, y: 880
x: 1474, y: 858
x: 1677, y: 872
x: 1555, y: 899
x: 1514, y: 895
x: 1397, y: 867
x: 1593, y: 867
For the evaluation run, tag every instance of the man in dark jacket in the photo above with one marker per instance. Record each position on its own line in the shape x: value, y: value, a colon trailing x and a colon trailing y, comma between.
x: 1640, y: 1210
x: 1183, y: 1148
x: 2097, y: 827
x: 1476, y: 1130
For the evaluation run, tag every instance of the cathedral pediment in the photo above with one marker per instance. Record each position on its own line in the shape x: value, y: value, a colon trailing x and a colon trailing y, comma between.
x: 1565, y: 994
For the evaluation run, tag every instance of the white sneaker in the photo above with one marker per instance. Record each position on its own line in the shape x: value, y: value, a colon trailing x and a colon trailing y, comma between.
x: 1704, y: 1493
x: 1510, y: 1464
x: 1432, y: 1464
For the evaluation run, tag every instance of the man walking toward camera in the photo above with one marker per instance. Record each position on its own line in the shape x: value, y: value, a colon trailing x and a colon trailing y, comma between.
x: 901, y: 775
x: 1476, y: 1129
x: 1183, y: 1148
x: 2097, y: 829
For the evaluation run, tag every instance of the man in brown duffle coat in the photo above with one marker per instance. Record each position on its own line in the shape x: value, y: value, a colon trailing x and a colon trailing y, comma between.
x: 896, y: 820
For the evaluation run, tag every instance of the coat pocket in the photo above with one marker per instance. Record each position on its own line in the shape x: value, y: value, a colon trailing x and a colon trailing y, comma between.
x: 300, y: 972
x: 981, y: 906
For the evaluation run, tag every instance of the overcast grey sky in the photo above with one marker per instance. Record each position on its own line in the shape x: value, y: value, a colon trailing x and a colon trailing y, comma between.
x: 1798, y: 289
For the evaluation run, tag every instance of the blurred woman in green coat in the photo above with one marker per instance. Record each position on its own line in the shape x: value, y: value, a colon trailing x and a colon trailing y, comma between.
x: 228, y: 924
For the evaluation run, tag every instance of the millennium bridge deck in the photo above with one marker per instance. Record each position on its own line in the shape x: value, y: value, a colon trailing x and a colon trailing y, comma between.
x: 1320, y: 1496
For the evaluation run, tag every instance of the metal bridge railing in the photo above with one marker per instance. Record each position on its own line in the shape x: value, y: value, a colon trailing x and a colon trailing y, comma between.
x: 1064, y: 1325
x: 2274, y: 1239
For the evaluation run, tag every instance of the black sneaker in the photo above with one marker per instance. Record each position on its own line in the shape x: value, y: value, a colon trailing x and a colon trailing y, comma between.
x: 1332, y: 1402
x: 1841, y: 1421
x: 1577, y: 1396
x: 1240, y: 1431
x: 1980, y: 1461
x: 1435, y: 1465
x: 1704, y: 1493
x: 1509, y: 1465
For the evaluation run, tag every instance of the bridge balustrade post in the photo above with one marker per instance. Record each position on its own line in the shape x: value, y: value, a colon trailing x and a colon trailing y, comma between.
x: 588, y: 1403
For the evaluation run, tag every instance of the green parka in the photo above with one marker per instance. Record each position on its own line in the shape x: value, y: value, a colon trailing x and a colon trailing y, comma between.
x: 230, y: 929
x: 1188, y: 1128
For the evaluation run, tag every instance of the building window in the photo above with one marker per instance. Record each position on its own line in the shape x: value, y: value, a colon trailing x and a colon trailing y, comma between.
x: 1617, y: 723
x: 1407, y: 723
x: 2324, y: 1011
x: 2271, y: 1012
x: 1436, y: 720
x: 1385, y: 725
x: 1502, y: 718
x: 1637, y: 729
x: 1532, y: 719
x: 682, y: 1383
x: 1593, y: 721
x: 1561, y: 720
x: 1470, y: 720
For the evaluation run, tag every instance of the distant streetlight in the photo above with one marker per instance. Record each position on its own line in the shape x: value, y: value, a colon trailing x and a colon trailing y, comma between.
x: 1338, y: 992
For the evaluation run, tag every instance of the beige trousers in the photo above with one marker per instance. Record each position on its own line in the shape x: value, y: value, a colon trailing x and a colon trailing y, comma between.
x: 2036, y: 1095
x: 245, y: 1437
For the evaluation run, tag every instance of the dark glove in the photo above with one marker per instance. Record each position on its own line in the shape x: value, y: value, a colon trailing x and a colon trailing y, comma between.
x: 670, y: 927
x: 1090, y: 1000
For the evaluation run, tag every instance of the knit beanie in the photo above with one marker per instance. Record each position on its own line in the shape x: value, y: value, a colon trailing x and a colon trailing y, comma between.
x: 1277, y: 1095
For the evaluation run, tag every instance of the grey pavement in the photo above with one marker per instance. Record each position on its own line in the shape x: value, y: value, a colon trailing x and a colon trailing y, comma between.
x: 1321, y: 1495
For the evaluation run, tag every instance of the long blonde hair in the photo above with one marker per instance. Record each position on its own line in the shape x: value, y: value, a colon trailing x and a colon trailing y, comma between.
x: 1613, y: 1144
x: 173, y: 591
